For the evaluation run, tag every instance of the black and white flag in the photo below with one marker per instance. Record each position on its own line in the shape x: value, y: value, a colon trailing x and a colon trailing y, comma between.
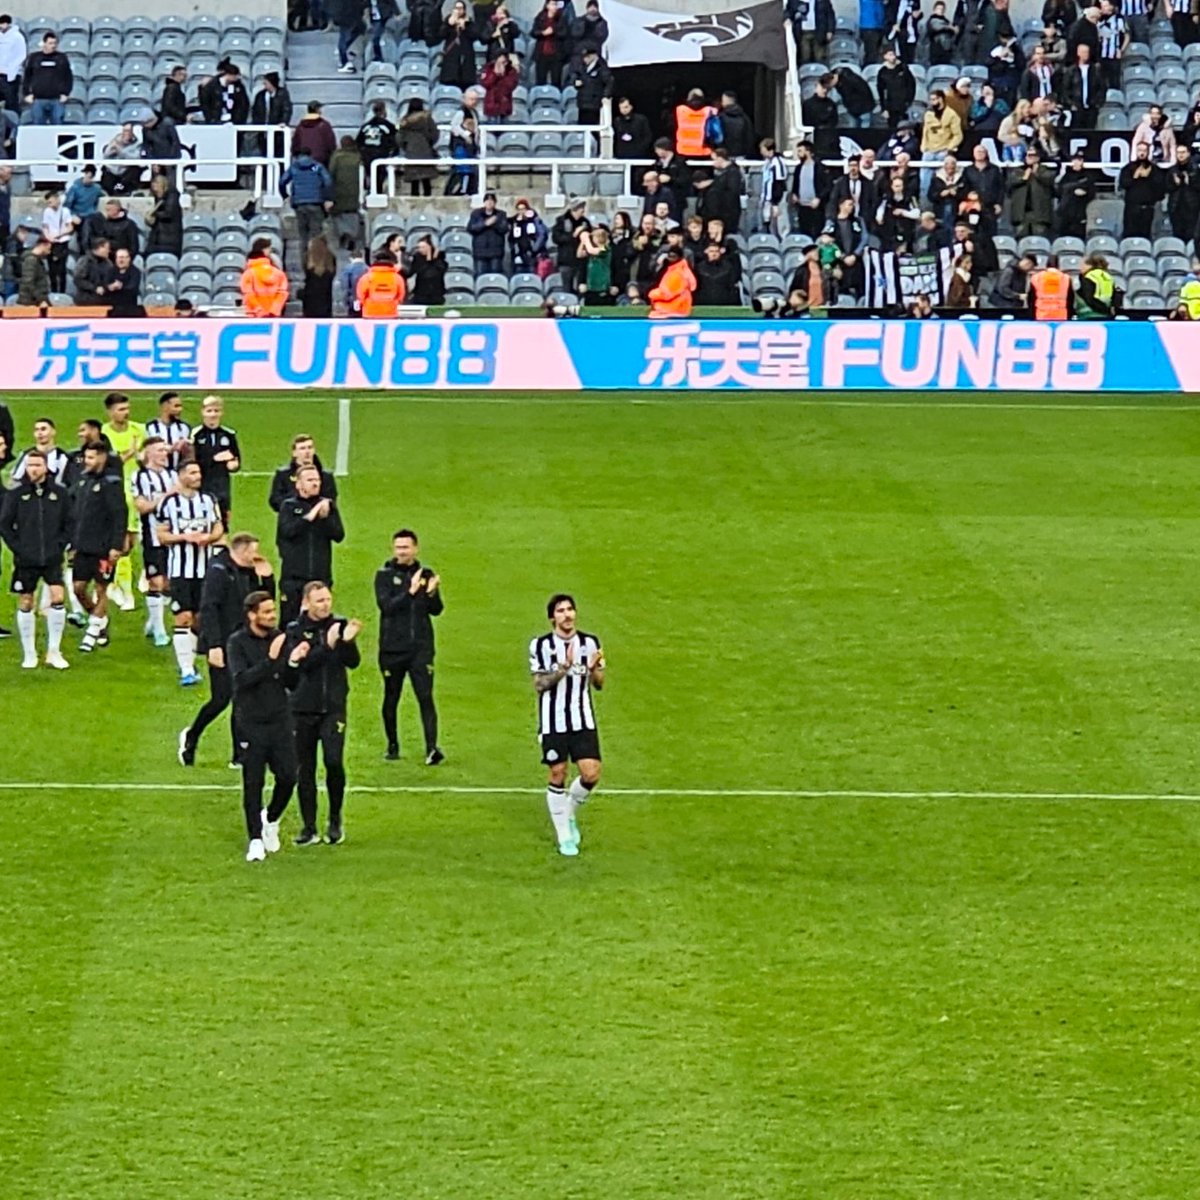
x: 896, y: 280
x: 744, y: 31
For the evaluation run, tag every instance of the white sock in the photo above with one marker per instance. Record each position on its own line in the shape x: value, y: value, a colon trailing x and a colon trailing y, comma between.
x: 27, y: 627
x: 185, y: 650
x: 44, y: 598
x: 556, y: 802
x: 577, y: 794
x: 95, y: 625
x: 156, y: 602
x: 69, y: 584
x: 56, y: 622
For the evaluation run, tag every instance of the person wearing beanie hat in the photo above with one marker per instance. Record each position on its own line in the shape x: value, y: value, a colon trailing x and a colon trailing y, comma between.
x: 272, y: 103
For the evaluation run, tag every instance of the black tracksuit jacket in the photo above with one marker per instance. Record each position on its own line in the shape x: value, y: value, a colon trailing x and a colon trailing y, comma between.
x: 35, y: 522
x: 98, y: 513
x: 306, y: 547
x: 405, y: 621
x: 321, y: 683
x: 226, y: 586
x: 260, y: 682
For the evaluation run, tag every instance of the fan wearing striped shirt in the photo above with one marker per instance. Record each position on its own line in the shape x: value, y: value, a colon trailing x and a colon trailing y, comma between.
x: 152, y: 483
x: 566, y: 664
x: 189, y: 524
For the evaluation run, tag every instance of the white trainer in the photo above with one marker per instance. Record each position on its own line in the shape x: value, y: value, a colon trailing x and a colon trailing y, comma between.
x: 55, y: 659
x: 30, y: 662
x: 257, y: 851
x: 270, y: 834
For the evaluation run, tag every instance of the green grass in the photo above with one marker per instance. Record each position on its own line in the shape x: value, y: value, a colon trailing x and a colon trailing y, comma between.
x: 725, y: 997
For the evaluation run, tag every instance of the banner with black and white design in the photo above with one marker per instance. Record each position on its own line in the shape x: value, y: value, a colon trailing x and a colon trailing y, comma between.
x: 641, y: 36
x: 896, y: 280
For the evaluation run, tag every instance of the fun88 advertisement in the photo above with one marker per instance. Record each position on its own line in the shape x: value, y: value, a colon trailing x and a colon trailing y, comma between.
x: 524, y: 354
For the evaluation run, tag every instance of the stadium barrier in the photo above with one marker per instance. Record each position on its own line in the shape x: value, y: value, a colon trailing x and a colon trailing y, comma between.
x: 571, y: 355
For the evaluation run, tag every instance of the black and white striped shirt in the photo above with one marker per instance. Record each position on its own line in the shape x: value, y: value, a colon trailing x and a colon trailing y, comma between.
x: 567, y: 706
x: 57, y: 462
x: 188, y: 514
x: 1112, y: 34
x: 148, y: 484
x: 1134, y: 8
x: 170, y: 432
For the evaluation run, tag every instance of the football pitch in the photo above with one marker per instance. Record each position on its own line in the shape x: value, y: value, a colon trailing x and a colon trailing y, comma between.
x: 889, y: 889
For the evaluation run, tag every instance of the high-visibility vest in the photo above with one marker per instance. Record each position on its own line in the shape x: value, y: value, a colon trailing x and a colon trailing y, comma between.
x: 381, y: 291
x: 1050, y: 288
x: 264, y: 289
x: 1105, y: 285
x: 673, y: 295
x: 689, y: 130
x: 1189, y: 294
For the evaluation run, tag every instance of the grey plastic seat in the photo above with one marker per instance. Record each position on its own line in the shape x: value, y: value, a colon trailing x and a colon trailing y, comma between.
x: 492, y: 281
x: 203, y: 42
x: 457, y: 239
x: 195, y: 279
x: 63, y: 26
x: 77, y: 44
x: 1136, y: 245
x: 769, y: 283
x: 137, y: 66
x: 231, y: 239
x: 524, y: 281
x: 171, y: 41
x: 159, y: 299
x: 512, y: 145
x: 526, y: 299
x: 158, y: 280
x: 162, y: 260
x: 460, y: 281
x: 138, y: 90
x: 541, y: 113
x: 225, y: 260
x: 198, y: 239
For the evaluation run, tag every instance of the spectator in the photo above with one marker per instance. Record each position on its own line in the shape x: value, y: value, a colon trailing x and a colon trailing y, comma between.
x: 940, y: 35
x: 984, y: 177
x: 500, y: 79
x: 1059, y: 14
x: 593, y: 83
x: 1038, y: 80
x: 377, y: 138
x: 930, y: 235
x: 968, y: 21
x: 311, y: 194
x: 1015, y: 133
x: 674, y: 174
x: 721, y: 195
x: 691, y: 120
x: 6, y: 202
x: 165, y: 218
x: 58, y: 227
x: 1075, y: 190
x: 773, y: 185
x: 737, y: 130
x: 1114, y: 41
x: 694, y: 239
x: 855, y: 94
x: 852, y: 186
x: 813, y: 23
x: 264, y: 285
x: 459, y: 68
x: 961, y: 291
x: 1183, y: 194
x: 1053, y: 46
x: 672, y: 295
x: 379, y: 13
x: 1085, y: 32
x: 223, y: 98
x: 115, y: 225
x: 807, y: 286
x: 48, y: 83
x: 425, y: 21
x: 631, y: 297
x: 470, y: 108
x: 595, y: 253
x: 1045, y: 137
x: 1155, y: 131
x: 820, y: 113
x: 428, y: 274
x: 1011, y: 288
x: 1005, y: 68
x: 174, y: 103
x: 528, y: 234
x: 589, y: 30
x: 160, y: 139
x: 550, y: 33
x: 620, y: 235
x: 903, y: 20
x: 849, y: 232
x: 501, y: 34
x: 488, y: 227
x: 314, y: 136
x: 464, y: 149
x: 345, y: 173
x: 95, y: 275
x: 346, y: 284
x: 896, y: 216
x: 123, y: 147
x: 960, y: 98
x: 35, y: 274
x: 897, y: 88
x: 126, y: 288
x: 1098, y: 298
x: 320, y: 269
x: 988, y: 111
x: 22, y: 238
x: 1082, y: 89
x: 1143, y: 185
x: 716, y: 280
x: 946, y: 191
x: 809, y: 191
x: 1031, y: 196
x: 870, y: 29
x: 417, y: 137
x: 347, y: 15
x: 272, y: 103
x: 83, y: 196
x: 1189, y: 135
x: 921, y: 309
x: 565, y: 236
x: 645, y: 245
x: 632, y: 137
x: 13, y: 53
x: 996, y: 28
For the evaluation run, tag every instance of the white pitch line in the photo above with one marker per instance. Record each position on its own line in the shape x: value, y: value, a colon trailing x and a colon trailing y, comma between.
x: 341, y: 466
x: 700, y: 793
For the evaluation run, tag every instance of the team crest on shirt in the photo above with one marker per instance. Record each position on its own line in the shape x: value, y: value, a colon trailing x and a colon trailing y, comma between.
x: 552, y: 756
x: 18, y: 586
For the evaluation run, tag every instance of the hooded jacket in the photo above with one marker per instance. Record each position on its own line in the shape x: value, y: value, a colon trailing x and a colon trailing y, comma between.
x: 264, y: 288
x: 13, y: 52
x: 309, y: 181
x: 35, y: 521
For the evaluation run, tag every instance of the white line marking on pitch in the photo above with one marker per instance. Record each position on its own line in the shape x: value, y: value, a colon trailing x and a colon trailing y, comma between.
x: 341, y: 466
x: 702, y: 793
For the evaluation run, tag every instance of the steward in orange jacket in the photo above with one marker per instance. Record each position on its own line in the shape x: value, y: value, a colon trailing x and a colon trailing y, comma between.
x: 1051, y: 293
x: 672, y: 297
x: 381, y: 290
x: 264, y: 285
x: 689, y: 126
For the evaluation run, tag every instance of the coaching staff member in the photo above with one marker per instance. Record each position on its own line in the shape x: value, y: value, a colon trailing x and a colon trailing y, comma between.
x: 231, y: 576
x: 319, y: 705
x: 283, y: 482
x: 260, y: 672
x: 409, y: 597
x: 35, y: 525
x: 98, y: 519
x: 305, y: 532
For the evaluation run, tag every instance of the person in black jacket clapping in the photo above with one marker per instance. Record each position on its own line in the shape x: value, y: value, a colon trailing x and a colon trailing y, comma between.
x: 308, y: 526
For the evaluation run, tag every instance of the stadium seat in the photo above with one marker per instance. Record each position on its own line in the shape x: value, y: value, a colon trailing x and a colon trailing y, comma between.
x: 460, y: 281
x: 102, y: 112
x: 1172, y: 264
x: 512, y: 145
x: 524, y: 281
x: 1144, y: 301
x: 457, y: 239
x: 160, y: 281
x: 195, y: 280
x: 1067, y: 245
x: 769, y: 283
x: 197, y: 239
x: 231, y: 239
x: 159, y: 299
x: 1034, y: 245
x: 168, y: 262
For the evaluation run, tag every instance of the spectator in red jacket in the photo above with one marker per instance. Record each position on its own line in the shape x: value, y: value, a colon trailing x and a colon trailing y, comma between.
x: 500, y: 78
x: 314, y: 135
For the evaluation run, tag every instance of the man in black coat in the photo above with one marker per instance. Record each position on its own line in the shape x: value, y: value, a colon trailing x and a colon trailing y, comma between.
x: 1143, y: 185
x: 740, y: 140
x: 592, y: 81
x: 223, y: 98
x: 897, y: 88
x: 809, y: 191
x: 1083, y: 89
x: 283, y: 482
x: 160, y: 138
x: 408, y: 597
x: 308, y: 527
x: 1183, y: 193
x: 716, y: 278
x: 721, y: 196
x: 95, y: 275
x: 855, y: 94
x: 820, y: 111
x: 115, y: 226
x: 855, y: 186
x: 632, y: 135
x: 1085, y: 32
x: 272, y: 104
x: 1074, y: 192
x: 984, y: 177
x: 174, y: 103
